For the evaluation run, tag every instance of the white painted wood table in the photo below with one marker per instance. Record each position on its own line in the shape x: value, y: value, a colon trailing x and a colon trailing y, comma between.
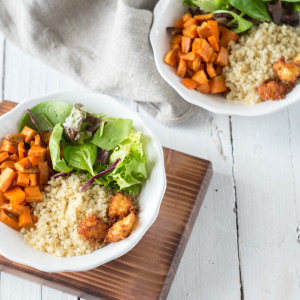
x: 245, y: 243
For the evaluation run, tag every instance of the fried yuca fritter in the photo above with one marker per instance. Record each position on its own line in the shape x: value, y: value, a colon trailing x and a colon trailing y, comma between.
x: 287, y: 71
x: 93, y: 229
x: 120, y: 207
x: 121, y: 229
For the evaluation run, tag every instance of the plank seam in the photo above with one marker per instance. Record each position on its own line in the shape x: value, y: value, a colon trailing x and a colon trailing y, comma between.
x: 236, y: 209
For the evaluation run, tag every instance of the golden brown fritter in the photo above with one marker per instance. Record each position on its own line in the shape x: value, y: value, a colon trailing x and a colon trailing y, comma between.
x: 121, y: 229
x: 120, y: 207
x: 93, y: 229
x: 286, y: 71
x: 274, y: 89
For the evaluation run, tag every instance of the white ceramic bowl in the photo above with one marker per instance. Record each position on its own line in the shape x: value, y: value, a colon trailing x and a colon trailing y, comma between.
x: 13, y: 246
x: 166, y: 13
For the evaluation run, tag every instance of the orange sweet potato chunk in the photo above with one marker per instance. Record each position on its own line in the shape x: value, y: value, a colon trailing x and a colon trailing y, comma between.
x: 200, y: 77
x: 213, y: 42
x: 25, y: 218
x: 217, y: 84
x: 172, y: 58
x: 227, y: 36
x: 210, y: 70
x: 205, y: 30
x: 190, y: 31
x: 202, y: 18
x: 33, y: 194
x: 3, y: 156
x: 181, y: 67
x: 222, y: 58
x: 23, y: 164
x: 186, y: 43
x: 203, y: 88
x: 28, y: 134
x: 7, y: 177
x: 205, y: 51
x: 15, y: 195
x: 189, y: 83
x: 4, y: 218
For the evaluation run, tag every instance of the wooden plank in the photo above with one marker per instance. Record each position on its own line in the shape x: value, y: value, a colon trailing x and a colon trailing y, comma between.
x: 268, y: 203
x: 30, y: 76
x: 163, y: 244
x: 12, y: 288
x: 209, y: 268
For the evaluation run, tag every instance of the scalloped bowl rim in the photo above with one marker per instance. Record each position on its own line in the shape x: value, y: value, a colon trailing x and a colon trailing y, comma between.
x: 166, y: 12
x: 48, y: 262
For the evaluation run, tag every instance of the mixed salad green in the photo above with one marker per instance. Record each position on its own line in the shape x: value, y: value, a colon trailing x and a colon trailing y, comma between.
x: 108, y: 150
x: 240, y: 15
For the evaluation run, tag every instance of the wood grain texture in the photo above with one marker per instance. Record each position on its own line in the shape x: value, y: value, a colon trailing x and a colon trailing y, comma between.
x: 147, y: 271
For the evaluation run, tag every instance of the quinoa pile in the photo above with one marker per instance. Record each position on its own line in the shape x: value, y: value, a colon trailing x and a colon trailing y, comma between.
x: 61, y: 212
x: 252, y: 57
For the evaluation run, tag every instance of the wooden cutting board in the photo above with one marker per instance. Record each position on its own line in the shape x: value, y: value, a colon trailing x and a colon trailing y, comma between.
x: 147, y: 271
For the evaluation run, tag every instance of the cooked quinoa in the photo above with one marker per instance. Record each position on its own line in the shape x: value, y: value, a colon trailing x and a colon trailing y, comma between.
x: 252, y: 57
x: 60, y: 213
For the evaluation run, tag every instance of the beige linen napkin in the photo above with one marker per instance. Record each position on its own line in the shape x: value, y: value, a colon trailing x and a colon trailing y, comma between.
x: 103, y: 44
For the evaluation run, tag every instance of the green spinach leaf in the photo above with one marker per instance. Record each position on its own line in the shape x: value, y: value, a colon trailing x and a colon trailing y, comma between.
x: 54, y: 145
x: 114, y: 132
x: 52, y: 112
x: 243, y: 24
x: 81, y: 157
x: 255, y: 9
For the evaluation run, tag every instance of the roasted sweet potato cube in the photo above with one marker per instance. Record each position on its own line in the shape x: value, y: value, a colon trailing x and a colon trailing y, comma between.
x: 200, y: 77
x: 189, y: 83
x: 205, y: 30
x: 222, y: 58
x: 181, y: 68
x: 179, y: 23
x: 202, y: 18
x: 28, y: 134
x: 186, y: 43
x: 175, y: 41
x: 217, y: 84
x: 172, y: 58
x: 15, y: 195
x: 196, y: 44
x: 205, y: 51
x: 4, y: 218
x: 213, y: 57
x: 23, y: 164
x: 213, y: 42
x: 3, y: 156
x: 16, y: 138
x: 37, y: 151
x: 16, y: 209
x: 43, y: 173
x: 22, y: 179
x: 7, y: 164
x: 227, y: 36
x: 188, y: 56
x: 25, y: 218
x: 186, y: 17
x: 189, y: 22
x: 35, y: 160
x: 21, y: 150
x: 196, y: 64
x: 190, y: 31
x: 14, y: 157
x: 210, y: 70
x: 33, y: 179
x: 33, y: 194
x: 203, y: 88
x: 214, y: 25
x: 37, y: 140
x: 9, y: 146
x: 7, y: 177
